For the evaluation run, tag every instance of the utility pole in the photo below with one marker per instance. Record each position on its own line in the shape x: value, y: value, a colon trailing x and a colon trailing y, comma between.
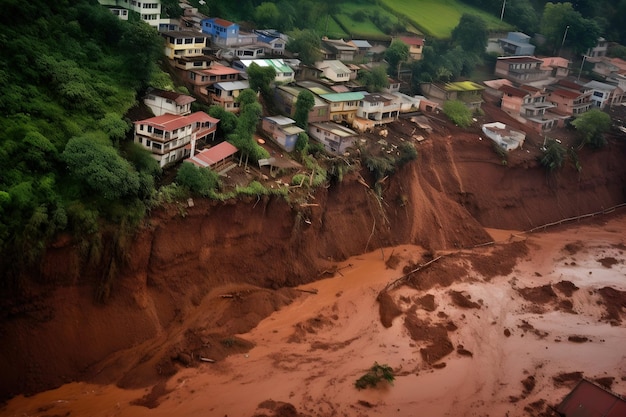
x: 502, y: 13
x: 564, y: 36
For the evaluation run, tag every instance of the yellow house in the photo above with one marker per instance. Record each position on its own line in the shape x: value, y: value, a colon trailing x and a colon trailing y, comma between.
x: 184, y: 44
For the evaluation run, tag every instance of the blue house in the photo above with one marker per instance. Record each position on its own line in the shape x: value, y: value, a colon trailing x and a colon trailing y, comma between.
x: 222, y: 32
x: 517, y: 44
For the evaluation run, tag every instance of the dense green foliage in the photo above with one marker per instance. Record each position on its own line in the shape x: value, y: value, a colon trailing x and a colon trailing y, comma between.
x: 374, y: 80
x: 200, y: 181
x: 471, y: 34
x: 68, y: 71
x: 591, y: 126
x: 554, y: 155
x: 458, y: 113
x: 396, y: 54
x: 304, y: 104
x: 562, y: 25
x: 376, y: 374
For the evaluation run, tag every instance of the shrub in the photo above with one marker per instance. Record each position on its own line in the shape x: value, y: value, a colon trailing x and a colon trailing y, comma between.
x: 374, y: 375
x: 458, y: 113
x: 554, y: 155
x: 198, y: 180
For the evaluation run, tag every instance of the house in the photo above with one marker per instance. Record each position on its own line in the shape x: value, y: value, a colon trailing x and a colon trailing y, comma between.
x: 284, y: 73
x: 334, y: 70
x: 187, y: 63
x: 339, y: 49
x: 521, y: 69
x: 225, y: 94
x: 407, y: 103
x: 221, y: 32
x: 343, y: 106
x: 148, y: 11
x: 282, y: 130
x: 558, y: 67
x: 203, y: 79
x: 161, y: 102
x: 607, y: 67
x: 184, y: 44
x: 468, y: 92
x: 603, y: 94
x: 590, y: 400
x: 191, y: 18
x: 569, y: 98
x: 272, y: 40
x: 597, y: 51
x: 286, y: 96
x: 170, y: 137
x: 416, y: 46
x: 120, y: 12
x: 530, y: 105
x: 363, y: 47
x: 216, y: 157
x: 516, y: 44
x: 335, y: 137
x: 503, y: 136
x: 380, y: 108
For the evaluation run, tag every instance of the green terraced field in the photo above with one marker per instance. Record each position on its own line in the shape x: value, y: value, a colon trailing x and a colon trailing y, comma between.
x: 438, y: 17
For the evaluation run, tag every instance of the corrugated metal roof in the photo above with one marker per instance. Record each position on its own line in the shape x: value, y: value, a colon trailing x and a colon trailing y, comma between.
x: 590, y: 400
x: 233, y: 85
x: 337, y: 97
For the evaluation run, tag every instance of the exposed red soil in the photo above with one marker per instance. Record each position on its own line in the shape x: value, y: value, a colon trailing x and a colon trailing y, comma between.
x: 195, y: 277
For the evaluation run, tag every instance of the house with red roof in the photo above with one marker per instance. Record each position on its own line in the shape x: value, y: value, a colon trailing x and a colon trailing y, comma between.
x: 569, y: 98
x: 216, y: 157
x: 202, y: 80
x: 416, y: 46
x: 162, y: 101
x: 172, y: 137
x: 530, y: 105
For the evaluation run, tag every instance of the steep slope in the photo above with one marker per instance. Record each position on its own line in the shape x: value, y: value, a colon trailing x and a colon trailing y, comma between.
x: 175, y: 278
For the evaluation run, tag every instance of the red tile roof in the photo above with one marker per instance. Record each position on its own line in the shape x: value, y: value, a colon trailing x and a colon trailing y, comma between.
x: 516, y: 92
x: 519, y: 59
x: 222, y: 22
x: 412, y: 40
x: 169, y: 122
x: 213, y: 155
x: 566, y: 93
x: 218, y: 69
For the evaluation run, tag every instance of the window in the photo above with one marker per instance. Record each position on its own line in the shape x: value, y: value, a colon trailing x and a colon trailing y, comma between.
x: 188, y: 41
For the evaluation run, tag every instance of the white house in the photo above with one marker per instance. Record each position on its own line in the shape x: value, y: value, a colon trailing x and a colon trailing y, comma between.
x: 381, y: 108
x: 284, y: 73
x: 172, y: 137
x: 335, y: 137
x: 603, y: 94
x: 334, y: 70
x: 161, y: 102
x: 148, y: 11
x: 507, y: 138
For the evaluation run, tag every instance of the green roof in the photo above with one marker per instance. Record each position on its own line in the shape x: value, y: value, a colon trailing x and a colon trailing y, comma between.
x: 336, y: 97
x: 463, y: 86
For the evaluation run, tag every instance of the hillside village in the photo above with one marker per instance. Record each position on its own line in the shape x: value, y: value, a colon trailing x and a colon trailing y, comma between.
x: 211, y: 57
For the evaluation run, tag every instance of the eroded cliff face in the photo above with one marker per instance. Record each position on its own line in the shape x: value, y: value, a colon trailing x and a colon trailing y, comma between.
x: 170, y: 278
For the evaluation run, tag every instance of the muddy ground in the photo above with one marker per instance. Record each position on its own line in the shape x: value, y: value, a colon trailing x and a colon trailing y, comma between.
x: 196, y: 281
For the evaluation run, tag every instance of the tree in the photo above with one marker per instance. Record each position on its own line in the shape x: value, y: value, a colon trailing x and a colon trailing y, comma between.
x: 307, y: 45
x: 554, y: 155
x: 267, y: 15
x: 228, y: 120
x: 114, y: 126
x: 94, y: 162
x: 591, y: 127
x: 304, y: 104
x: 458, y: 112
x: 198, y: 180
x: 396, y: 54
x: 562, y: 25
x: 374, y: 80
x: 471, y: 34
x: 261, y: 78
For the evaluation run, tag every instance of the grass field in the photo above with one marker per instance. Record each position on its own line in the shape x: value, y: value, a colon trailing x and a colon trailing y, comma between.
x: 366, y: 29
x: 329, y: 27
x: 438, y: 17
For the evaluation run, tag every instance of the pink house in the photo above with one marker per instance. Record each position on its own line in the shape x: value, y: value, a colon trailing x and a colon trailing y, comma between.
x: 569, y: 98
